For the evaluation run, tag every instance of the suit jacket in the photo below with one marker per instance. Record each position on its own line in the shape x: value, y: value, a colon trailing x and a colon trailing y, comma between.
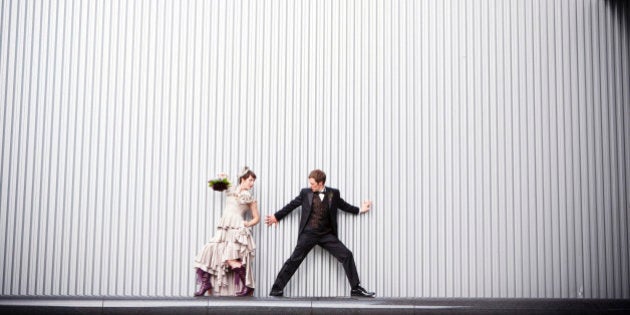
x: 305, y: 199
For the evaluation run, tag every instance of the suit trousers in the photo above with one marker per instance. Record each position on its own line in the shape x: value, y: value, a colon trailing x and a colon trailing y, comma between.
x: 306, y: 241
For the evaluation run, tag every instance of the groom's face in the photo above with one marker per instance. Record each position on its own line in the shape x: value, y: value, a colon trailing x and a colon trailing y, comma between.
x: 315, y: 186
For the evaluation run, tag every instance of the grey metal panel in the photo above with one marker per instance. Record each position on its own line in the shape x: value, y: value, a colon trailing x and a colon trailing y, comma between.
x: 491, y: 135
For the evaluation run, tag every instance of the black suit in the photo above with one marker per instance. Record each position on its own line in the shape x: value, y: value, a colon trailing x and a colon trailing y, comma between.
x: 308, y: 238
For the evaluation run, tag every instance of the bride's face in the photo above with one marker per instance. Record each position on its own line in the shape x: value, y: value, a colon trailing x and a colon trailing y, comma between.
x: 248, y: 183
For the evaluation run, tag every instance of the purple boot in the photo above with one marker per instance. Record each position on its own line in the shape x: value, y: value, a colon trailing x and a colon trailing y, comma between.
x: 204, y: 279
x: 245, y: 291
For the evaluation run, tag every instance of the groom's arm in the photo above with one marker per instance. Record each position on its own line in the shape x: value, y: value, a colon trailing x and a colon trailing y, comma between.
x: 289, y: 207
x: 344, y: 206
x: 273, y: 219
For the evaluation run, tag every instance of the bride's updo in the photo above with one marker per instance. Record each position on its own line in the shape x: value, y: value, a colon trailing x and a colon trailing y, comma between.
x: 245, y: 174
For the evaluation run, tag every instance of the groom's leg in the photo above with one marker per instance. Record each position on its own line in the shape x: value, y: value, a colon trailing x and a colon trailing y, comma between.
x: 334, y: 246
x: 305, y: 243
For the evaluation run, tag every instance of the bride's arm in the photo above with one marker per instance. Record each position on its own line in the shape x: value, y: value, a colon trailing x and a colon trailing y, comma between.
x: 255, y: 215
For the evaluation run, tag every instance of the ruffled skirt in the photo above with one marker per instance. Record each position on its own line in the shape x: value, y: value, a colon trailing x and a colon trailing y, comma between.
x: 230, y: 243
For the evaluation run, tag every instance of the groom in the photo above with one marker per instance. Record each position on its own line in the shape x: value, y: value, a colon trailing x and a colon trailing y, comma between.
x: 318, y: 226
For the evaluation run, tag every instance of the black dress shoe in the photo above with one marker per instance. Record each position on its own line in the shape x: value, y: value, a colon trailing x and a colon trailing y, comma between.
x: 359, y: 291
x: 276, y: 293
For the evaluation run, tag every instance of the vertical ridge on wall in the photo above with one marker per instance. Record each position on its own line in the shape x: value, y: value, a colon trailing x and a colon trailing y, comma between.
x: 491, y: 135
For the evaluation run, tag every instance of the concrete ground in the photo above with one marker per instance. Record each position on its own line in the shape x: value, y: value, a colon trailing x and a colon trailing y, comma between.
x: 327, y: 306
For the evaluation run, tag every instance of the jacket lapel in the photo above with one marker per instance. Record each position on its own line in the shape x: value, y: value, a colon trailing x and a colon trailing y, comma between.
x: 309, y: 197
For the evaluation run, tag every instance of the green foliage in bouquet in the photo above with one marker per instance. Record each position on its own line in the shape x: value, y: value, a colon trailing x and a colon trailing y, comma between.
x: 219, y: 184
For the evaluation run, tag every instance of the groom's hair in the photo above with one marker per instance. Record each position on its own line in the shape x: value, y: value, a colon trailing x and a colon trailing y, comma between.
x: 318, y: 175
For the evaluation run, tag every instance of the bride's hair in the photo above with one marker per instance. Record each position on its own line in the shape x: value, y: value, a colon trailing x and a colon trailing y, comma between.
x: 245, y: 174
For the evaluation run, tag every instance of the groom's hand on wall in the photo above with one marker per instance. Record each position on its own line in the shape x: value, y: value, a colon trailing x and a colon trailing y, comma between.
x: 366, y: 206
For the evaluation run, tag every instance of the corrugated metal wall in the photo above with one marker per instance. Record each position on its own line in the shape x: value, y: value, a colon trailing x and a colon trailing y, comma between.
x: 493, y: 137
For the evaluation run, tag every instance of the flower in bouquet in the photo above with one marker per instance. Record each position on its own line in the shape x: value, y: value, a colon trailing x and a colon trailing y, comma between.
x: 219, y: 184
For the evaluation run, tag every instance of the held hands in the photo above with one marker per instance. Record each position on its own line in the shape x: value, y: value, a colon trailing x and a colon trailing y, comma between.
x: 271, y: 220
x: 365, y: 206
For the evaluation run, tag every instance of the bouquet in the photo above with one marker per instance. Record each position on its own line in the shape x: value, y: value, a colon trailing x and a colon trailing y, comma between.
x: 219, y: 184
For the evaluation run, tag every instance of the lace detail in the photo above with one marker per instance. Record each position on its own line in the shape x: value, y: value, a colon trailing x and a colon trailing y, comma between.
x: 242, y: 197
x: 245, y: 197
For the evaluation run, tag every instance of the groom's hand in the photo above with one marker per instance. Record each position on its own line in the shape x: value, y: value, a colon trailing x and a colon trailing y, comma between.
x: 271, y: 220
x: 366, y: 206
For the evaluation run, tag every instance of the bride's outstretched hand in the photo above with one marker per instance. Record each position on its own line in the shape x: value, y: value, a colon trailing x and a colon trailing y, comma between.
x: 271, y: 220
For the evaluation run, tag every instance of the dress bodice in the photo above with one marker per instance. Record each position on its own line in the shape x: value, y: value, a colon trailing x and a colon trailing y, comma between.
x: 237, y: 204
